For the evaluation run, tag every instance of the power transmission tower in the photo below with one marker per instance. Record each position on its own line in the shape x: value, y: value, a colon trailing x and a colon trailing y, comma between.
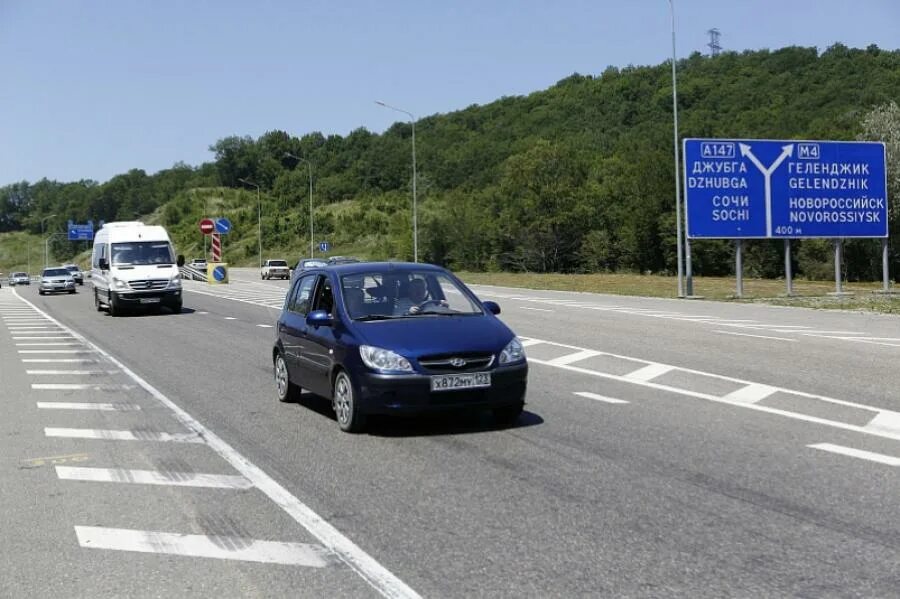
x: 714, y: 47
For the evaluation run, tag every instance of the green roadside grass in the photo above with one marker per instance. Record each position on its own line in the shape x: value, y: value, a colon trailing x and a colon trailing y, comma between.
x: 809, y: 294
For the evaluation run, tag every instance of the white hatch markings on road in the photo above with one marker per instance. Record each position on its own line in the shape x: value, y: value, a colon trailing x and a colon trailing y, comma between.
x: 51, y: 344
x: 33, y: 338
x: 67, y: 372
x: 757, y: 336
x: 649, y: 372
x: 154, y: 477
x: 265, y: 326
x: 230, y: 318
x: 203, y: 312
x: 750, y: 394
x: 885, y: 421
x: 597, y: 397
x: 55, y: 351
x: 858, y: 453
x: 216, y: 547
x: 79, y: 387
x: 574, y: 357
x: 535, y: 309
x: 87, y: 406
x: 527, y: 342
x: 59, y: 361
x: 363, y: 564
x: 112, y: 435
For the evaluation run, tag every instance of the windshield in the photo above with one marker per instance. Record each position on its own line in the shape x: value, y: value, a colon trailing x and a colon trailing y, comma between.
x: 381, y: 295
x: 72, y: 268
x: 19, y: 274
x: 277, y: 262
x: 312, y: 264
x: 55, y: 272
x: 142, y: 252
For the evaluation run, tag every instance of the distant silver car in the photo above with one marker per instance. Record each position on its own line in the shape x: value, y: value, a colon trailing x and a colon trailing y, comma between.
x: 77, y: 275
x: 56, y: 280
x: 19, y: 278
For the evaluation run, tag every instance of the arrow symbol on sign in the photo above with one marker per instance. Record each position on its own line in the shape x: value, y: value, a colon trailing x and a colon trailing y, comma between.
x: 786, y: 150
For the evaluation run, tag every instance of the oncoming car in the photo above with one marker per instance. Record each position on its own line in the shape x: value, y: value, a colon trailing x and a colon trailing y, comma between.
x: 56, y: 280
x: 396, y: 338
x: 19, y: 278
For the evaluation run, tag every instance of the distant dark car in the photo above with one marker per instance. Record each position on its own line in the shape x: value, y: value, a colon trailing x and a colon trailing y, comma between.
x: 394, y: 338
x: 77, y: 275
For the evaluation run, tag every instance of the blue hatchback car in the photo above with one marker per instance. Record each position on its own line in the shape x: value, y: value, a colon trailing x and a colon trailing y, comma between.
x: 391, y: 338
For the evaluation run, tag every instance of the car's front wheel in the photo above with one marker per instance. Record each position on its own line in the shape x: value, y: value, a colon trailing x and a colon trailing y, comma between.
x: 287, y: 391
x: 346, y: 406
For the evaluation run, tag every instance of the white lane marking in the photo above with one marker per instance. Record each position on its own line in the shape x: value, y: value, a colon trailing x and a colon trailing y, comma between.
x: 858, y: 453
x: 32, y: 327
x: 58, y: 361
x: 230, y: 318
x: 577, y: 356
x: 756, y: 336
x: 602, y: 398
x: 32, y: 338
x: 153, y: 477
x: 886, y: 421
x: 836, y: 334
x: 535, y: 309
x: 65, y: 372
x: 79, y: 387
x: 750, y: 394
x: 265, y: 326
x: 376, y: 575
x: 62, y: 344
x: 109, y: 435
x: 103, y: 407
x: 56, y: 351
x: 203, y: 312
x: 649, y: 372
x: 528, y: 342
x: 230, y: 548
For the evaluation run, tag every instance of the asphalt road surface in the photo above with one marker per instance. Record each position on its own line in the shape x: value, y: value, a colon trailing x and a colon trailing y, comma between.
x: 668, y: 448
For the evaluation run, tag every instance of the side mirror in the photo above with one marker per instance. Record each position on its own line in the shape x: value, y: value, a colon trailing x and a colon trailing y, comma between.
x: 104, y: 264
x: 180, y: 260
x: 492, y: 307
x: 319, y: 318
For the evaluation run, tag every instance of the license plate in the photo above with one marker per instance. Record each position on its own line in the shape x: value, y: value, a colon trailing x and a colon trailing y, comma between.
x: 149, y: 300
x: 452, y: 382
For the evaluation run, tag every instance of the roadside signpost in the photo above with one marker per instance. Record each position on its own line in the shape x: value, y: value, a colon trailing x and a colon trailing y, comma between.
x: 767, y: 189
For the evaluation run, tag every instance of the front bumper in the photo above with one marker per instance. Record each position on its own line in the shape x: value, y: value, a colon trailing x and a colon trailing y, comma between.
x: 163, y: 297
x: 54, y: 287
x: 411, y: 393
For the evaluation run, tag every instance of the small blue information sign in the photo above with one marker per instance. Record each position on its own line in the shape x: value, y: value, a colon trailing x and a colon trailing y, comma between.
x: 750, y: 188
x: 223, y: 226
x: 83, y: 232
x: 324, y: 246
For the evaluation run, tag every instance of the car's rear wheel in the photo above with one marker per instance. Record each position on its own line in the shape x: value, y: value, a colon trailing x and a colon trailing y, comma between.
x: 508, y: 415
x: 346, y: 407
x: 287, y: 391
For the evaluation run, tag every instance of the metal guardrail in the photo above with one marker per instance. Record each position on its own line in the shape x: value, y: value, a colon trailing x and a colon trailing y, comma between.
x: 193, y: 274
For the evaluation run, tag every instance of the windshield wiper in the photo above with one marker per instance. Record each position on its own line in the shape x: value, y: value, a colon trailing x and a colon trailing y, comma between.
x: 374, y: 317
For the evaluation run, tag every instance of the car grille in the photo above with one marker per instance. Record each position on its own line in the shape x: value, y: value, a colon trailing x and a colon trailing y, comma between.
x: 451, y: 363
x: 149, y: 284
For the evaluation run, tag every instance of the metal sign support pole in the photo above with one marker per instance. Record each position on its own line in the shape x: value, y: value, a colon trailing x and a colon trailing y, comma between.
x: 739, y: 267
x: 837, y: 266
x: 688, y: 269
x: 787, y: 268
x: 884, y: 265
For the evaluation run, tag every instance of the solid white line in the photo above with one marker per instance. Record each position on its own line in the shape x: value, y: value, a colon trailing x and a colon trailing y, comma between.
x: 64, y: 372
x: 103, y: 407
x: 886, y: 421
x: 750, y: 394
x: 602, y: 398
x: 265, y: 326
x: 56, y: 351
x: 230, y: 548
x: 535, y: 309
x: 858, y: 453
x: 108, y: 435
x: 376, y: 575
x: 530, y: 342
x: 756, y: 336
x: 577, y: 356
x: 58, y: 361
x: 153, y: 477
x: 32, y: 338
x: 649, y: 372
x: 33, y: 327
x: 78, y: 387
x: 62, y: 344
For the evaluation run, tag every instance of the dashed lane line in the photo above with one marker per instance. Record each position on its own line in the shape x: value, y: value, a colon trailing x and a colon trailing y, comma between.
x: 596, y: 397
x: 857, y: 453
x: 756, y: 336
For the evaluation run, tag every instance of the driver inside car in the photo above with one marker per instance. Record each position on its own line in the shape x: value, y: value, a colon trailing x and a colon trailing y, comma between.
x: 416, y: 295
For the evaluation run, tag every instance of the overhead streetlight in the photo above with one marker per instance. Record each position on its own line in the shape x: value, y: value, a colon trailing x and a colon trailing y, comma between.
x: 309, y: 165
x: 45, y: 241
x: 258, y: 217
x: 412, y: 121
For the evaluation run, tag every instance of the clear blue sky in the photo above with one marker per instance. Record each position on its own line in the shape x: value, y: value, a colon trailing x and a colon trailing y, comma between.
x: 90, y: 89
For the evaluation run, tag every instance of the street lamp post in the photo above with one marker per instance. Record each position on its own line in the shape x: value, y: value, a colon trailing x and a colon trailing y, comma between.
x: 309, y: 166
x: 412, y: 120
x: 45, y: 241
x: 678, y: 233
x: 258, y: 217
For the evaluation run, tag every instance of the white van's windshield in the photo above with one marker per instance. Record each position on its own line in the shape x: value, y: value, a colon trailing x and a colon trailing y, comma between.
x: 142, y: 252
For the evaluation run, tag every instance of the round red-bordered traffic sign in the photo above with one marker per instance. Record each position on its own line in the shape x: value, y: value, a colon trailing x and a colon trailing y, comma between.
x: 207, y: 226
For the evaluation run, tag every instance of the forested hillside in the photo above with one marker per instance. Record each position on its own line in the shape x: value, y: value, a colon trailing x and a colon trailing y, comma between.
x: 576, y: 178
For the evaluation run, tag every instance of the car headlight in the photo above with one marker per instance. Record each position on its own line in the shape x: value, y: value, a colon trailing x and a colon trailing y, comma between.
x: 119, y: 284
x: 378, y: 358
x: 175, y: 282
x: 513, y: 352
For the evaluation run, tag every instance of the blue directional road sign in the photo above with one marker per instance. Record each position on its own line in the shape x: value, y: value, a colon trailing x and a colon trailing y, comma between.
x: 83, y: 232
x: 223, y: 225
x: 219, y: 273
x: 751, y: 188
x: 324, y: 246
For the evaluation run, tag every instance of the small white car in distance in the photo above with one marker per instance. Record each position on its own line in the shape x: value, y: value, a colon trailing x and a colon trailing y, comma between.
x: 275, y: 269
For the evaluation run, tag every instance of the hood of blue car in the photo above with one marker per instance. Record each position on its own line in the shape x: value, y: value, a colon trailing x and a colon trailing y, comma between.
x: 429, y: 335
